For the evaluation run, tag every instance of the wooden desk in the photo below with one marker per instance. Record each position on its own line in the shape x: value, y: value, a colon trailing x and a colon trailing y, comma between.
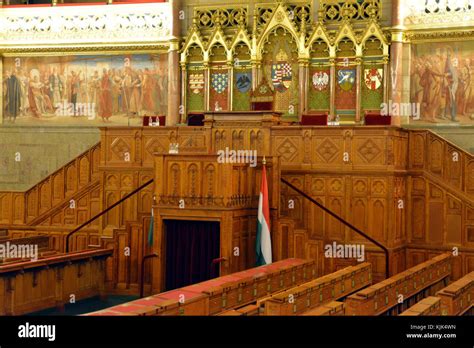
x: 255, y: 118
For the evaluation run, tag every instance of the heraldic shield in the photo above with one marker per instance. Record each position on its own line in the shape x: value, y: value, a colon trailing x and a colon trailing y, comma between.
x: 281, y: 72
x: 196, y: 82
x: 320, y: 80
x: 346, y: 79
x: 243, y: 81
x: 219, y: 81
x: 373, y: 78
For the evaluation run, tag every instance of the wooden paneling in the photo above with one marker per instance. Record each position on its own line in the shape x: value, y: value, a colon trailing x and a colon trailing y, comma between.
x: 37, y: 285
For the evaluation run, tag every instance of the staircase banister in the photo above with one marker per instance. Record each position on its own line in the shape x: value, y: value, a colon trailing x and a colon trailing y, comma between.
x: 120, y: 201
x: 348, y: 224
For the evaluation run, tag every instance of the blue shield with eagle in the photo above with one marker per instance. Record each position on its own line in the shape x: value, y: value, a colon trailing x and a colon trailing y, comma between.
x: 243, y: 81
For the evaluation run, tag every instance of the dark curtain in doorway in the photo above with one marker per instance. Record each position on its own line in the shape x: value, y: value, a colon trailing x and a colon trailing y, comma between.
x: 190, y: 248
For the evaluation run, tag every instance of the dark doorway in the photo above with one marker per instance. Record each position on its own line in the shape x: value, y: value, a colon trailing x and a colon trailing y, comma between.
x: 190, y: 248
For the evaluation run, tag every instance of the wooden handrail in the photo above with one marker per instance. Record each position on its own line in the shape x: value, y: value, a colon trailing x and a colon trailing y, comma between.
x: 348, y: 224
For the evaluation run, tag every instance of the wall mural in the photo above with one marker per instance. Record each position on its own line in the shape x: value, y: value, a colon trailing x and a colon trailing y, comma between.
x: 442, y: 82
x: 84, y: 90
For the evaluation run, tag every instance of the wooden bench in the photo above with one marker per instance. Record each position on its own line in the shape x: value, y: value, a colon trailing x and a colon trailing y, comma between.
x: 333, y: 308
x: 320, y: 291
x: 428, y: 306
x: 458, y: 297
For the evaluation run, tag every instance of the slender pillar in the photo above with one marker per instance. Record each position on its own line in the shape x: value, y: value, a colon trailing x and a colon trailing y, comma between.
x: 332, y: 86
x: 385, y: 80
x: 184, y: 84
x: 303, y: 85
x: 396, y: 58
x: 230, y: 84
x: 358, y: 61
x: 207, y: 85
x: 172, y: 117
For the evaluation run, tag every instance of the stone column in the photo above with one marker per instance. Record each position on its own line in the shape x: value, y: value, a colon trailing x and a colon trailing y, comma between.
x: 172, y: 117
x: 396, y: 59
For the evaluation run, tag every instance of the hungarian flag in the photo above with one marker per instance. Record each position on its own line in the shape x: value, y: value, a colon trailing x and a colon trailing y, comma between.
x: 151, y: 228
x: 263, y: 242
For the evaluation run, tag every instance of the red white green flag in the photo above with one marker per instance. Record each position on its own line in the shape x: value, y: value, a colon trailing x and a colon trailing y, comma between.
x: 263, y: 242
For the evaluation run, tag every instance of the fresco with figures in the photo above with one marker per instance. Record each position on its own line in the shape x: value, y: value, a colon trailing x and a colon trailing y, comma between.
x: 442, y: 82
x: 84, y: 90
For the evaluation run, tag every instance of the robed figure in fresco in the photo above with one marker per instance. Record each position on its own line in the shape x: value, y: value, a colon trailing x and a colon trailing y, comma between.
x: 451, y: 83
x: 105, y: 96
x: 13, y: 96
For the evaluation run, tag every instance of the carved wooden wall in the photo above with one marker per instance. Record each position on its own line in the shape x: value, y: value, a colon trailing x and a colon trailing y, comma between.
x: 212, y: 191
x: 354, y: 172
x: 401, y: 187
x: 440, y: 201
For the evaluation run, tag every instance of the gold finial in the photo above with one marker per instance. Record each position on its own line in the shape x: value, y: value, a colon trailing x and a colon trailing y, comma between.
x: 264, y: 161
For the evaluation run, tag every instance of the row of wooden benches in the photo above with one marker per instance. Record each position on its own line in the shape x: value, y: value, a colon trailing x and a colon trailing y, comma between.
x: 286, y: 287
x: 227, y: 292
x: 318, y: 292
x: 381, y: 297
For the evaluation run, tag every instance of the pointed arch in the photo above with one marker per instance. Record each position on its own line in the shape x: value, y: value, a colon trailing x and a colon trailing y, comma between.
x: 279, y: 19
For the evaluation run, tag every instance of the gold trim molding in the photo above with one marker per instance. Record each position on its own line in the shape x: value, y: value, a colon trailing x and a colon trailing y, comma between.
x: 436, y: 36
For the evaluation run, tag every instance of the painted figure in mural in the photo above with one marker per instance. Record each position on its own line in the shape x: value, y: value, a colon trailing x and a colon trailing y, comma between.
x: 451, y: 83
x: 13, y: 95
x: 126, y: 90
x: 45, y: 91
x: 94, y: 90
x: 147, y: 87
x: 36, y: 97
x: 464, y: 90
x: 135, y: 97
x: 416, y: 87
x: 74, y: 89
x: 24, y: 103
x: 116, y: 80
x: 430, y: 81
x: 105, y: 96
x: 56, y: 87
